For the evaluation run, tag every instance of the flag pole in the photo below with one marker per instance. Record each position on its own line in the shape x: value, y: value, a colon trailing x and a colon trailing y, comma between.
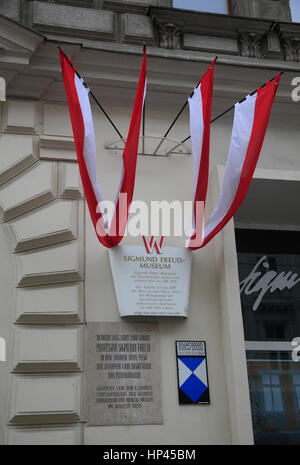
x: 92, y: 95
x: 176, y: 118
x: 224, y: 113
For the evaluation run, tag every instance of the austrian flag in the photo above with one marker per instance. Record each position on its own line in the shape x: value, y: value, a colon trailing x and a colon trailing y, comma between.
x: 251, y: 117
x: 200, y: 115
x: 84, y: 135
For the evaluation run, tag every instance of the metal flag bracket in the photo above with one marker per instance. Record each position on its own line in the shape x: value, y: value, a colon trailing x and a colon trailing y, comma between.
x: 148, y: 144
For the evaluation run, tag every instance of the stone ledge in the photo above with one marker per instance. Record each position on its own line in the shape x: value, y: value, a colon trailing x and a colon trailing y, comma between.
x: 210, y: 44
x: 74, y: 21
x: 52, y: 349
x: 59, y: 305
x: 52, y: 435
x: 42, y: 399
x: 136, y: 29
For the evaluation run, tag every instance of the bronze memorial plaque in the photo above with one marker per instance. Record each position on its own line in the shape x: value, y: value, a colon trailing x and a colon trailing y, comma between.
x: 123, y: 374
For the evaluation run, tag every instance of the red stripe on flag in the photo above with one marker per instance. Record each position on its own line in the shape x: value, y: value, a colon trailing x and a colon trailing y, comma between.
x: 206, y: 92
x: 263, y: 106
x: 202, y: 183
x: 78, y: 131
x: 130, y: 158
x: 120, y: 217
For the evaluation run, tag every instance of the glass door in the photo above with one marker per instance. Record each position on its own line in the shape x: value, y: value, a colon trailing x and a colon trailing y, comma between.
x: 269, y: 272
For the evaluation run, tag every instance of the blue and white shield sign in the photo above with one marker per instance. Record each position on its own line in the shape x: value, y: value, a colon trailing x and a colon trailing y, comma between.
x: 192, y: 372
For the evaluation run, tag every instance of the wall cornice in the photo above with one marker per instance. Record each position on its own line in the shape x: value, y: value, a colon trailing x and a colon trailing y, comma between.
x: 232, y: 35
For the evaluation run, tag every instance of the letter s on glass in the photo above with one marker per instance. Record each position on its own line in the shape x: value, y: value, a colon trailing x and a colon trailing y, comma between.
x: 296, y: 91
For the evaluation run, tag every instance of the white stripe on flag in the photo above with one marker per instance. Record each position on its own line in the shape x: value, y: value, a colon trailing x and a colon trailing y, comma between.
x: 197, y: 129
x: 241, y: 133
x: 89, y: 148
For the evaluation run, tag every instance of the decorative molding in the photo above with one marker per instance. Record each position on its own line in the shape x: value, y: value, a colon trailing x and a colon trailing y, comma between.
x: 58, y: 265
x: 21, y: 37
x: 33, y: 85
x: 41, y: 435
x: 224, y: 45
x: 38, y: 349
x: 73, y: 21
x: 49, y: 305
x: 136, y: 29
x: 250, y: 32
x: 41, y: 399
x: 278, y: 10
x: 20, y: 117
x: 264, y: 9
x: 241, y: 7
x: 11, y: 8
x: 18, y: 152
x: 291, y: 46
x: 250, y: 45
x: 30, y: 190
x: 83, y: 3
x: 52, y: 224
x: 170, y: 36
x: 57, y: 128
x: 271, y: 46
x: 133, y: 6
x: 57, y: 142
x: 69, y: 181
x: 63, y: 154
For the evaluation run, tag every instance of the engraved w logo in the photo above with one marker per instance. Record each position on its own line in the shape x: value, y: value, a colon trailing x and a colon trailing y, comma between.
x: 153, y: 244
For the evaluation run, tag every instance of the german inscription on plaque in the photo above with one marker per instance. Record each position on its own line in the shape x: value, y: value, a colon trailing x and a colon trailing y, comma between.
x: 151, y: 281
x: 123, y: 374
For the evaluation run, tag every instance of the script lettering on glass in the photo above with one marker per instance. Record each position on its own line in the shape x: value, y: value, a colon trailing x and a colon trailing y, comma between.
x: 271, y: 281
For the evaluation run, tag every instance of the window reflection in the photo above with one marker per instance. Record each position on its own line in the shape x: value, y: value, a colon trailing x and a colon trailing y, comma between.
x: 269, y: 328
x: 213, y: 6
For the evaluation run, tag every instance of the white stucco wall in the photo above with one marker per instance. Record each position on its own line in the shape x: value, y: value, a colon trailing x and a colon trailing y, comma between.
x: 55, y: 245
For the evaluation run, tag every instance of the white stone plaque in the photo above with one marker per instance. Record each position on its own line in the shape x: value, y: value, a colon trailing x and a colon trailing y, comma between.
x: 123, y: 374
x: 151, y: 284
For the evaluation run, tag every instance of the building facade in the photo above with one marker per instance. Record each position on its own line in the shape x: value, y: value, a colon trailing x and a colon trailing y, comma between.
x: 55, y: 276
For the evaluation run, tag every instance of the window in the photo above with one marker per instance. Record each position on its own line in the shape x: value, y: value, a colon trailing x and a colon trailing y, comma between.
x: 213, y: 6
x: 272, y: 392
x: 295, y: 10
x: 296, y: 382
x: 274, y: 331
x: 269, y: 271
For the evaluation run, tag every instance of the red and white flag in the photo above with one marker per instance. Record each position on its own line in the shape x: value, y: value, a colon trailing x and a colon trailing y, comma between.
x: 83, y: 130
x: 251, y: 119
x: 200, y: 116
